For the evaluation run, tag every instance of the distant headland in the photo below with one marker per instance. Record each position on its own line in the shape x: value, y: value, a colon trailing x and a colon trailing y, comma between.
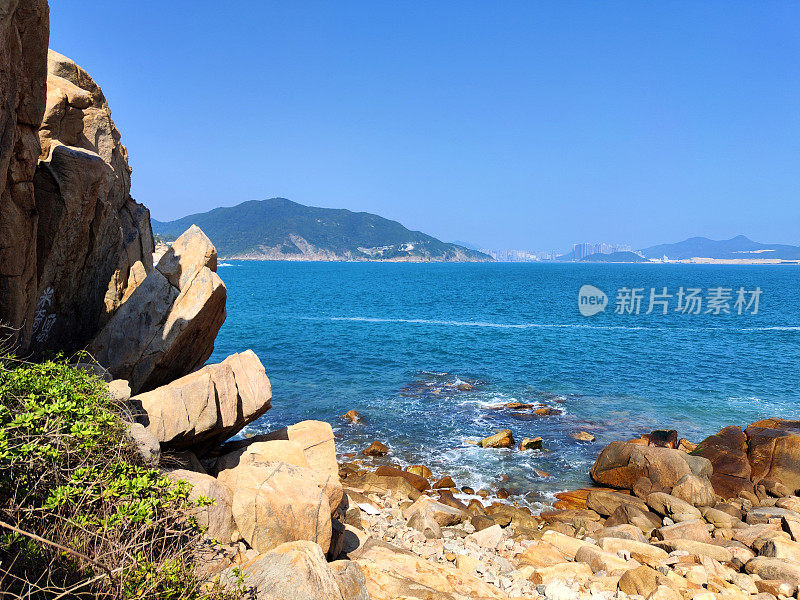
x: 279, y: 229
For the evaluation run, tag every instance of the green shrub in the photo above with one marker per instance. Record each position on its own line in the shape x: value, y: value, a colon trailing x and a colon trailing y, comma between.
x: 80, y: 515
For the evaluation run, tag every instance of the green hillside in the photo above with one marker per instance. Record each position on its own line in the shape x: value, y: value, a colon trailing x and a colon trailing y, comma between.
x: 284, y: 230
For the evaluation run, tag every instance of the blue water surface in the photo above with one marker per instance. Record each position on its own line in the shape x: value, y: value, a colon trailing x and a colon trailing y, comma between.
x: 398, y: 341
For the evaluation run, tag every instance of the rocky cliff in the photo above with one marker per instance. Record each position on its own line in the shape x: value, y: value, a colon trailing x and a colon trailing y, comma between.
x: 75, y: 244
x: 24, y: 33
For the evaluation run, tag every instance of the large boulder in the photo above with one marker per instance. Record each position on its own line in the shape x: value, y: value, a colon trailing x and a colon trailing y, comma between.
x: 394, y: 573
x: 298, y: 571
x: 727, y: 451
x: 94, y: 243
x: 206, y: 407
x: 276, y: 502
x: 167, y: 327
x: 622, y: 464
x: 24, y: 33
x: 774, y: 451
x: 314, y: 437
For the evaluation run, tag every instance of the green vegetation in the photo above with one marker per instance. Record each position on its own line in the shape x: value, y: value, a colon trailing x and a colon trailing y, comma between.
x: 81, y: 516
x: 274, y: 226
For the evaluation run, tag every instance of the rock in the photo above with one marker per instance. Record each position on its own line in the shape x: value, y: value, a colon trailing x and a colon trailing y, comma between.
x: 275, y: 502
x: 622, y: 532
x: 350, y: 580
x: 776, y: 587
x: 392, y: 573
x: 208, y: 406
x: 774, y: 451
x: 600, y: 560
x: 487, y: 538
x: 466, y: 563
x: 424, y: 522
x: 695, y: 548
x: 422, y: 471
x: 697, y: 491
x: 89, y: 244
x: 217, y: 518
x: 24, y: 34
x: 695, y: 529
x: 763, y: 514
x: 446, y: 497
x: 622, y: 464
x: 568, y: 571
x: 298, y: 571
x: 352, y: 416
x: 727, y: 451
x: 541, y: 554
x: 376, y: 448
x: 119, y: 391
x: 662, y: 438
x: 748, y: 535
x: 314, y: 437
x: 531, y: 444
x: 719, y: 518
x: 779, y: 548
x: 269, y: 451
x: 774, y: 568
x: 444, y: 483
x: 503, y: 493
x: 444, y: 515
x: 642, y: 581
x: 546, y: 411
x: 417, y: 481
x: 664, y: 592
x: 166, y: 327
x: 628, y: 514
x: 582, y: 436
x: 146, y: 444
x: 501, y: 439
x: 672, y: 507
x: 568, y: 546
x: 605, y: 502
x: 370, y: 482
x: 639, y: 551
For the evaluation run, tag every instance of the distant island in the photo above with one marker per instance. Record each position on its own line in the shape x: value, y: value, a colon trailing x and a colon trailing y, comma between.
x: 279, y: 229
x: 739, y: 249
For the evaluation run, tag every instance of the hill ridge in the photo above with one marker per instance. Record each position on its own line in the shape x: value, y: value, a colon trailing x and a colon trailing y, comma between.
x: 281, y: 229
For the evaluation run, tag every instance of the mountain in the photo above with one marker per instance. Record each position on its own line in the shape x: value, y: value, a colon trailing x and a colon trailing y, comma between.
x: 279, y: 229
x: 614, y: 257
x: 737, y: 247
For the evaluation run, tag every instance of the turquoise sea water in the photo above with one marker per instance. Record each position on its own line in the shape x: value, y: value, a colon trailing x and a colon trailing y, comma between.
x: 395, y: 341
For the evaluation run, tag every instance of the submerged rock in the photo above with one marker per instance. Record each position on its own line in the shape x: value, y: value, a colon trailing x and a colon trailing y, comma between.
x: 376, y: 448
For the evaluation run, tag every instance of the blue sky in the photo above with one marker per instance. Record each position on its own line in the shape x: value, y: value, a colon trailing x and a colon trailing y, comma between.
x: 508, y: 124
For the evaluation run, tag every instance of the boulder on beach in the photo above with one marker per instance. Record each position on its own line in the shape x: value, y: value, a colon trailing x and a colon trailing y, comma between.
x: 167, y: 326
x: 297, y: 570
x: 276, y: 502
x: 217, y: 518
x: 622, y: 464
x: 206, y: 407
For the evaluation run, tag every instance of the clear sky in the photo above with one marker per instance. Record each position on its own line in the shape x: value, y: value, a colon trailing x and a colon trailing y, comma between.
x: 507, y: 124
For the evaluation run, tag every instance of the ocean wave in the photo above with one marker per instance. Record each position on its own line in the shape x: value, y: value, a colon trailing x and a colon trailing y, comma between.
x: 489, y: 324
x: 224, y: 264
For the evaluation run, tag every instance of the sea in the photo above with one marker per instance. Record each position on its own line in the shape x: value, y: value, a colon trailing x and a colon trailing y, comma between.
x: 430, y: 353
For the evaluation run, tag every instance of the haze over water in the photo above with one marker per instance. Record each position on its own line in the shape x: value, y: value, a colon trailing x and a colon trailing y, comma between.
x: 396, y: 341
